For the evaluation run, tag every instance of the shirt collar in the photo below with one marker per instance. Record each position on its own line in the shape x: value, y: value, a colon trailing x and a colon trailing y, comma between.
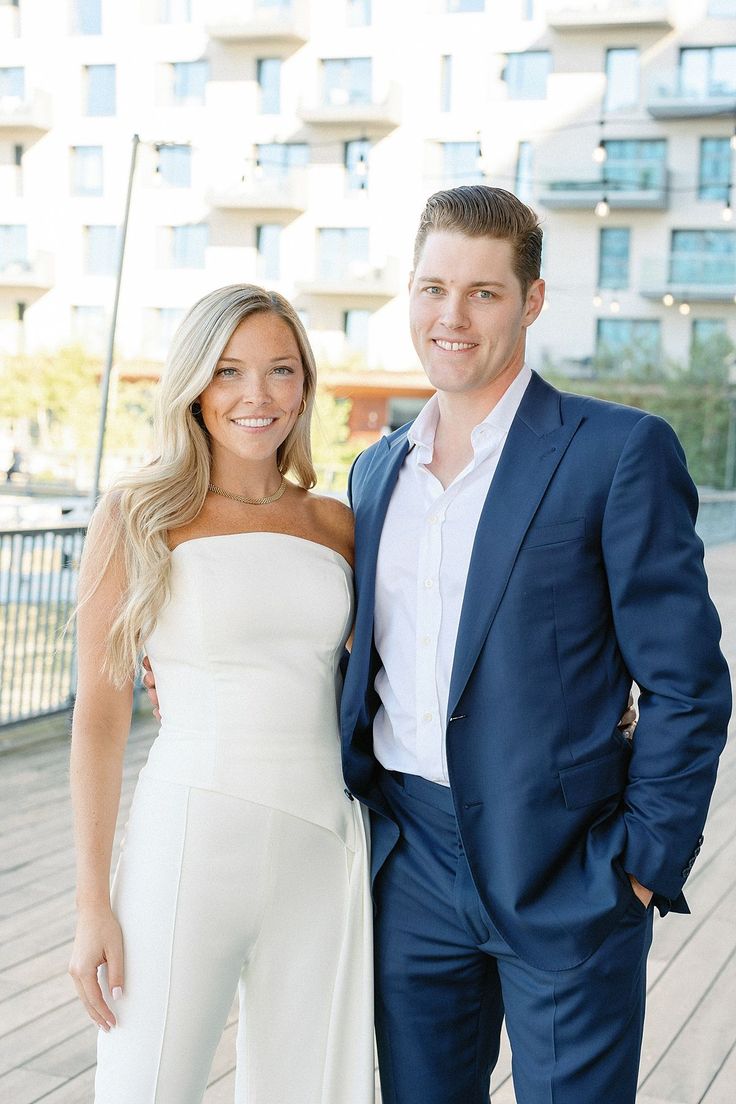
x: 485, y: 436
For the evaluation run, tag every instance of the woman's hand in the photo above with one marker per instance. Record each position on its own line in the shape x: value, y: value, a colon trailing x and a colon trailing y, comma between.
x: 98, y: 940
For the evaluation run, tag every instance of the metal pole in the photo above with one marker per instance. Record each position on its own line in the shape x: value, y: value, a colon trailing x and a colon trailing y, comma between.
x: 105, y: 384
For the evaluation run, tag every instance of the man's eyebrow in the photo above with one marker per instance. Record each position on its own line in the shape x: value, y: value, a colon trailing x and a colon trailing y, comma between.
x: 473, y: 284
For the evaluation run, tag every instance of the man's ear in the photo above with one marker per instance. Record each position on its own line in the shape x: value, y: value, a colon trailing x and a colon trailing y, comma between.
x: 411, y: 280
x: 534, y: 302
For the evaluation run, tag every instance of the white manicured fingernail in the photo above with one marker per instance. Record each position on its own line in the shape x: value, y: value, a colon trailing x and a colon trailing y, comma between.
x: 117, y: 993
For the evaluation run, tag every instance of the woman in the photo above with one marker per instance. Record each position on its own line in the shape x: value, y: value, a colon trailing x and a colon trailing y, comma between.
x: 244, y: 864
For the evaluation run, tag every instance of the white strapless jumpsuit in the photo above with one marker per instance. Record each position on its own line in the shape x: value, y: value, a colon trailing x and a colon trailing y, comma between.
x: 245, y: 866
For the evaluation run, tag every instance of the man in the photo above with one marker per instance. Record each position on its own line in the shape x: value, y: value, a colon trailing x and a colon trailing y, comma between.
x: 522, y: 555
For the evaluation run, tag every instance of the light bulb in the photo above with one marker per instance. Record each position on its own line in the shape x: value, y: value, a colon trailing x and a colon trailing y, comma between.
x: 684, y: 308
x: 727, y: 213
x: 597, y: 300
x: 615, y: 306
x: 602, y: 208
x: 668, y: 299
x: 600, y: 154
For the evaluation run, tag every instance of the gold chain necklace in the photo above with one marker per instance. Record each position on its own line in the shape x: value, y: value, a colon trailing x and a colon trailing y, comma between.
x: 250, y: 501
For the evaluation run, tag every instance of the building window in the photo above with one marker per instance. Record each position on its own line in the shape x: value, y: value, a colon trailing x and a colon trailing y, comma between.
x: 100, y: 250
x: 627, y: 346
x: 188, y: 245
x: 346, y: 81
x: 714, y: 178
x: 703, y: 257
x: 160, y: 324
x: 613, y: 258
x: 523, y: 182
x: 99, y: 90
x: 355, y: 325
x: 87, y: 171
x: 275, y: 160
x: 446, y: 83
x: 466, y: 5
x: 526, y: 74
x: 175, y: 166
x: 268, y: 244
x: 636, y: 165
x: 188, y: 82
x: 269, y: 84
x: 14, y: 248
x: 88, y: 17
x: 722, y: 9
x: 174, y: 11
x: 705, y: 329
x: 356, y: 164
x: 343, y: 252
x: 359, y: 13
x: 460, y: 163
x: 88, y: 327
x: 622, y: 79
x: 12, y: 83
x: 706, y: 72
x: 401, y: 411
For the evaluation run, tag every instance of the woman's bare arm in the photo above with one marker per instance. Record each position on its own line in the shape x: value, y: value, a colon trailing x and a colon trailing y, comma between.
x: 99, y: 735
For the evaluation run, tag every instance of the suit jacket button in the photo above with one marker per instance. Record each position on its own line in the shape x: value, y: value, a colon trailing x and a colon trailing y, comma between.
x: 348, y: 794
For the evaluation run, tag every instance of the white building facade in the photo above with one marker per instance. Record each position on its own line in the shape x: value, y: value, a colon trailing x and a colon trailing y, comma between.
x: 293, y: 144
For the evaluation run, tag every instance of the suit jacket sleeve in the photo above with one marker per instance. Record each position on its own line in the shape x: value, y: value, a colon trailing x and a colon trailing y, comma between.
x: 668, y: 633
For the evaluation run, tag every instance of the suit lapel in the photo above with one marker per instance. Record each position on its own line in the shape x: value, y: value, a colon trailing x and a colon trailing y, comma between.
x: 534, y: 447
x: 370, y: 513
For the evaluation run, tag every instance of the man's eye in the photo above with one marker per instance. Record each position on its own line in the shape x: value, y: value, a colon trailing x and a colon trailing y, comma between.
x: 433, y: 290
x: 483, y: 293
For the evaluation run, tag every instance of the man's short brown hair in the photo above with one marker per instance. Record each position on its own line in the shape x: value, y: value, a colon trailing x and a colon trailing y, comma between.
x: 479, y: 211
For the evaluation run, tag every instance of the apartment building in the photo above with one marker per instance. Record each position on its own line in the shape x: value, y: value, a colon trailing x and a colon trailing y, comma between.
x: 293, y: 143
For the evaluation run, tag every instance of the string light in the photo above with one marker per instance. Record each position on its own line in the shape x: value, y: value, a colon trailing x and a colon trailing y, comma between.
x: 602, y: 208
x: 727, y: 212
x: 615, y: 306
x: 684, y: 308
x: 597, y: 300
x: 668, y: 299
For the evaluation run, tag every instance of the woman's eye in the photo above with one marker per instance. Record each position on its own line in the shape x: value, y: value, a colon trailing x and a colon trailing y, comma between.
x: 283, y: 369
x: 226, y: 373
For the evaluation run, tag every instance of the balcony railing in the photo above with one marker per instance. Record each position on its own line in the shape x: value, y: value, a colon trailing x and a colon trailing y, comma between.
x: 701, y: 277
x: 585, y: 15
x: 25, y: 117
x: 268, y: 24
x: 27, y: 274
x: 356, y: 279
x: 627, y: 184
x: 38, y: 590
x: 377, y: 115
x: 673, y: 98
x: 286, y: 192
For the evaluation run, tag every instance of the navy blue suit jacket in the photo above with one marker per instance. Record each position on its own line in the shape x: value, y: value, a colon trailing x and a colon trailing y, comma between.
x: 586, y: 573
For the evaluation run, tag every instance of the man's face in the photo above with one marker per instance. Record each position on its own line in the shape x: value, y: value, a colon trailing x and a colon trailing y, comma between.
x: 467, y: 315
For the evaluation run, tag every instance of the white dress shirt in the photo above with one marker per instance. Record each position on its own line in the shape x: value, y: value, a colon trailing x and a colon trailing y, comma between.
x: 423, y: 561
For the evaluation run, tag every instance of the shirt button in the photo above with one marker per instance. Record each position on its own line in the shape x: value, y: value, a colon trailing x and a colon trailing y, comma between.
x: 426, y: 640
x: 428, y: 584
x: 427, y: 717
x: 433, y: 520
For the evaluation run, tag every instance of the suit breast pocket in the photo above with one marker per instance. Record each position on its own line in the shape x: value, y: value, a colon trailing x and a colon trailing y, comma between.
x: 563, y: 532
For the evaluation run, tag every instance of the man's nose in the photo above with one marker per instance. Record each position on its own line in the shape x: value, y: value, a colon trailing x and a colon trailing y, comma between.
x: 454, y: 314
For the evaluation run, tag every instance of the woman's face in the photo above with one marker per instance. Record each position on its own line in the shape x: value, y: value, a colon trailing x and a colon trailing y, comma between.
x: 255, y: 394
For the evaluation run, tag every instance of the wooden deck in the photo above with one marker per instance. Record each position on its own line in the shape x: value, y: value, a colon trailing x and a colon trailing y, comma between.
x: 47, y: 1045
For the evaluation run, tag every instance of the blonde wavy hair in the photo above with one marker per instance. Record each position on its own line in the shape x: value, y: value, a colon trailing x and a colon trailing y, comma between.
x: 145, y: 505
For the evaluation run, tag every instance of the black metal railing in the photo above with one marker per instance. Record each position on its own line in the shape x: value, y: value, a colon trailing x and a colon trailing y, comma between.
x: 38, y: 589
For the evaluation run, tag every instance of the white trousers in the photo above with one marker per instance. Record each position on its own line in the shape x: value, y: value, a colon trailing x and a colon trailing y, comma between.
x: 215, y: 895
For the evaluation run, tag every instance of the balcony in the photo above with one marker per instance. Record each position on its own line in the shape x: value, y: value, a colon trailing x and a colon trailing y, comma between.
x: 695, y: 277
x: 358, y: 280
x: 373, y: 117
x: 276, y: 26
x: 27, y: 275
x: 284, y: 195
x: 609, y: 15
x: 673, y: 98
x: 627, y: 186
x: 24, y: 119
